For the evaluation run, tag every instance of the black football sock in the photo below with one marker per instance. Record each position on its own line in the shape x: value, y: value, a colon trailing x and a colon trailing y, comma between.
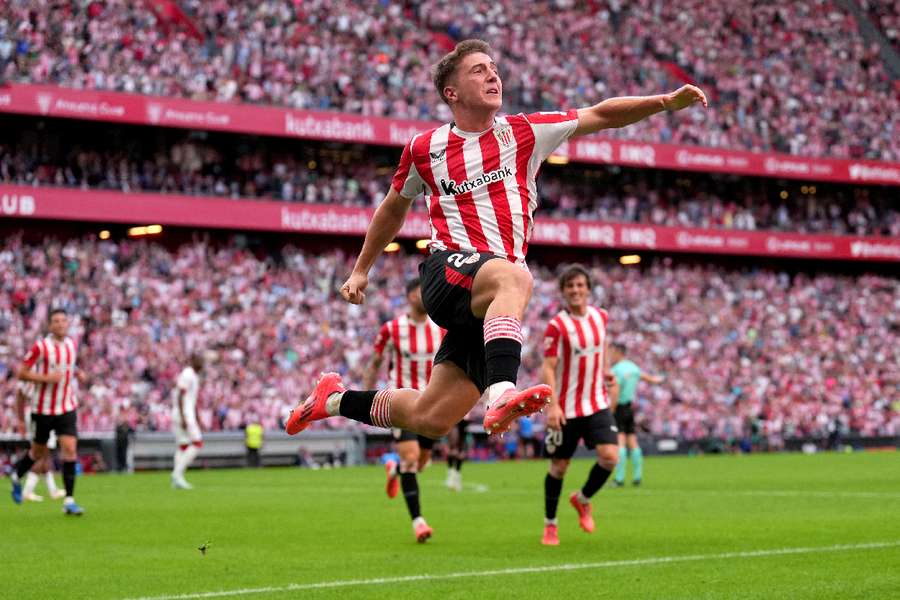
x: 372, y: 407
x: 596, y: 478
x: 502, y: 349
x: 24, y: 465
x: 410, y: 486
x: 552, y: 490
x: 451, y: 460
x: 68, y: 471
x: 459, y: 463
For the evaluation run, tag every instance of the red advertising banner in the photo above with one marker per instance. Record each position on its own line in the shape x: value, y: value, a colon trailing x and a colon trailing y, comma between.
x: 261, y: 215
x: 117, y: 107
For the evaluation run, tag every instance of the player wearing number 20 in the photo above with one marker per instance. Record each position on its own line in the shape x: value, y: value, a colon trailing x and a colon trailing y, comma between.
x: 575, y: 362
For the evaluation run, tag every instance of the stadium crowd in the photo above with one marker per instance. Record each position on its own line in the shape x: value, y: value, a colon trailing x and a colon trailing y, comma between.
x: 885, y: 14
x: 354, y: 176
x: 794, y: 77
x: 794, y: 354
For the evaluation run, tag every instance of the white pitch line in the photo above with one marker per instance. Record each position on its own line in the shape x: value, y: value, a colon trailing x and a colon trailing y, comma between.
x: 784, y: 493
x: 478, y: 488
x: 523, y: 570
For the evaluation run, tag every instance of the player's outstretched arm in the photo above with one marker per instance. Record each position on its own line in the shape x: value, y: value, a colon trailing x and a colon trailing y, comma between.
x: 386, y: 223
x: 625, y: 110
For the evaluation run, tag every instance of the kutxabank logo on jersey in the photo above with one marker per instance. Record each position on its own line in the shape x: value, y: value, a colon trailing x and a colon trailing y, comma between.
x: 453, y: 188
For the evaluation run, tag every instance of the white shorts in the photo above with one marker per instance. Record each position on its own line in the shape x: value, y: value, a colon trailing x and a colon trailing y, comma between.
x: 188, y: 433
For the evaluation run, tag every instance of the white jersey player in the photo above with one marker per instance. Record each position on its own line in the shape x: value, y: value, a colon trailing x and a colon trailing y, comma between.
x: 185, y: 424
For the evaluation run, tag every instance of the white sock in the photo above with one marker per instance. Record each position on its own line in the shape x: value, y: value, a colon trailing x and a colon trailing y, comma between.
x: 51, y: 482
x: 582, y: 499
x: 549, y: 521
x: 333, y: 404
x: 188, y: 457
x: 495, y: 390
x: 417, y: 521
x: 69, y: 500
x: 177, y: 471
x: 31, y: 480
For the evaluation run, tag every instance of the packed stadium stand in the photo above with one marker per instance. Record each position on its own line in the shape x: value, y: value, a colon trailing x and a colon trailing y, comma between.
x: 794, y: 351
x: 170, y: 161
x: 748, y: 341
x: 792, y: 77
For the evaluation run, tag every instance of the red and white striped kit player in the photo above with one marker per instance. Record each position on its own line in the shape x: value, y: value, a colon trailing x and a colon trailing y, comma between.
x: 580, y: 344
x: 480, y: 187
x: 49, y: 356
x: 411, y: 346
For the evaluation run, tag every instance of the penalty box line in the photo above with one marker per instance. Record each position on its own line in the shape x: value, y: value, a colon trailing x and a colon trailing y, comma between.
x: 524, y: 570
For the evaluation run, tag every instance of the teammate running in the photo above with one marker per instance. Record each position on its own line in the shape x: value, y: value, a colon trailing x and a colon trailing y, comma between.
x: 478, y: 175
x: 185, y: 424
x: 627, y: 376
x: 575, y: 361
x: 410, y: 341
x: 50, y: 364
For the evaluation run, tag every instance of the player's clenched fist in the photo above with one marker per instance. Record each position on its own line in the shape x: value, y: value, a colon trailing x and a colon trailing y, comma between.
x: 684, y: 97
x: 354, y: 290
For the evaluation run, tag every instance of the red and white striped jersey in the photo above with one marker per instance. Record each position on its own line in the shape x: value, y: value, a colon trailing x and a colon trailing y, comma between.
x: 480, y: 187
x: 580, y: 345
x: 412, y: 348
x: 48, y: 356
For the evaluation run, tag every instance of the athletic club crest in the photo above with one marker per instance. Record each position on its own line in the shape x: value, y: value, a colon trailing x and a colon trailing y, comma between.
x: 154, y: 112
x: 504, y: 135
x: 43, y: 101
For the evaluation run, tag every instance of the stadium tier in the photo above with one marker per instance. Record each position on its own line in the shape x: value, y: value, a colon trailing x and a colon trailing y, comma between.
x: 797, y: 78
x: 792, y: 353
x: 147, y: 159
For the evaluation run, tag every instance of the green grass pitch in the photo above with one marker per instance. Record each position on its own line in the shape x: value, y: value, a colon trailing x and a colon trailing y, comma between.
x: 766, y: 526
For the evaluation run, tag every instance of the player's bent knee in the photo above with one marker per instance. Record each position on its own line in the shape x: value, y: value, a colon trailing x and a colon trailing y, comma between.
x: 608, y: 457
x: 434, y: 429
x: 559, y: 467
x: 514, y: 280
x: 423, y: 461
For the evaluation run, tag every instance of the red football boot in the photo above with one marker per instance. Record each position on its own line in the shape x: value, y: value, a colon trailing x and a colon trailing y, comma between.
x: 422, y: 530
x: 585, y: 519
x: 313, y: 408
x: 513, y: 404
x: 393, y: 482
x: 551, y: 535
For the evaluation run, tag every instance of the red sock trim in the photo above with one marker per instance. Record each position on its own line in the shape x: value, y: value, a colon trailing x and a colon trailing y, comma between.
x: 503, y: 327
x: 381, y: 409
